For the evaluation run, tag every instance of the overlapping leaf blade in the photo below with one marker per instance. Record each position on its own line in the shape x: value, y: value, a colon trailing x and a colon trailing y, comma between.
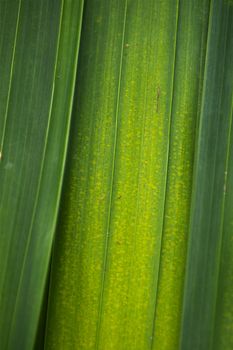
x: 223, y: 333
x: 209, y: 183
x: 36, y: 97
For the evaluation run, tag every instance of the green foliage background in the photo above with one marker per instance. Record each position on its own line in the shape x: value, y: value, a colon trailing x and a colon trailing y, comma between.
x: 142, y: 220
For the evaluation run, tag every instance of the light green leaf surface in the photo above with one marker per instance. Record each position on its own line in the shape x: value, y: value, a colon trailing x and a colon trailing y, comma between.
x: 209, y: 189
x: 190, y: 59
x: 107, y: 251
x: 38, y: 55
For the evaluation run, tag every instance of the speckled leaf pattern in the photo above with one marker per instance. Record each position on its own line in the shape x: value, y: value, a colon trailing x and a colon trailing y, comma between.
x: 190, y: 60
x: 105, y: 266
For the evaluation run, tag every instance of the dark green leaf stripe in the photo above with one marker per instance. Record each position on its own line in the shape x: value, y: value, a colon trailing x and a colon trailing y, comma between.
x: 9, y: 12
x: 107, y: 251
x: 223, y: 339
x: 209, y: 184
x: 38, y: 108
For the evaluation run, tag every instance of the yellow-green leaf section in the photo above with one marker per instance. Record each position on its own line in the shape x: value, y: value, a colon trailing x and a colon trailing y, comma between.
x: 107, y: 250
x: 190, y: 60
